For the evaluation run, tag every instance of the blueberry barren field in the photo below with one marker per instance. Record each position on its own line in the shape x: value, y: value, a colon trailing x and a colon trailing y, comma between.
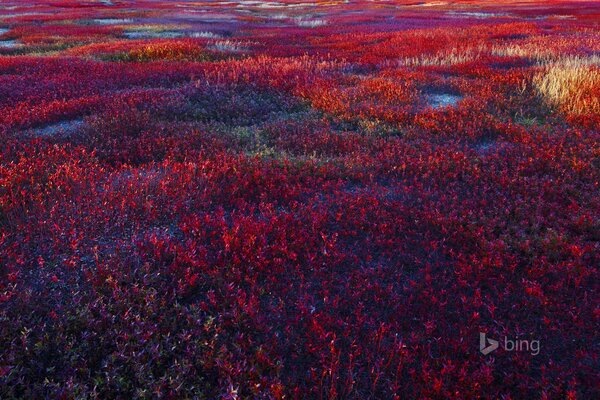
x: 299, y: 200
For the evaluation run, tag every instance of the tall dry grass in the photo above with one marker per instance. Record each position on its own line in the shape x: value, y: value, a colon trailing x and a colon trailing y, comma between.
x: 531, y: 51
x: 572, y: 84
x: 446, y: 57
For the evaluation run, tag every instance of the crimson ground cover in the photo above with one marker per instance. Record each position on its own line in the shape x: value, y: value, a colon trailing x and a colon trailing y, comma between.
x: 247, y: 199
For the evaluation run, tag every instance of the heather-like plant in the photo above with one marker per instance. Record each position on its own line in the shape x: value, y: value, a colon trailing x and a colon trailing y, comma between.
x: 287, y: 200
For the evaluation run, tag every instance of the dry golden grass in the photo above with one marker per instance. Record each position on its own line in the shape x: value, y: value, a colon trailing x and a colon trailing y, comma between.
x: 572, y: 84
x: 530, y: 51
x: 452, y: 56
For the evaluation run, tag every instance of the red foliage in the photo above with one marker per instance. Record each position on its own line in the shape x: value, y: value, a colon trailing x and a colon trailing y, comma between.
x: 294, y: 201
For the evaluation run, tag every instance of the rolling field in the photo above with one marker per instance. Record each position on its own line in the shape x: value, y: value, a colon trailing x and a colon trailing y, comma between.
x: 299, y: 199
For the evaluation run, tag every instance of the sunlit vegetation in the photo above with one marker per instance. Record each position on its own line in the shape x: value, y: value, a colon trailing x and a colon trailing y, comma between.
x: 298, y: 200
x: 572, y: 84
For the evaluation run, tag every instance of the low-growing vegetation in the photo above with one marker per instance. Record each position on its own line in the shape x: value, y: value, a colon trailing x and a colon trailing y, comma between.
x: 298, y: 200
